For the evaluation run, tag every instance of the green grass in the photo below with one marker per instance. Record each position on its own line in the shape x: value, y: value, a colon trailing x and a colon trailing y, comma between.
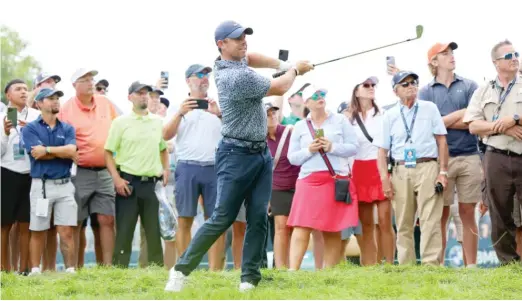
x: 344, y: 282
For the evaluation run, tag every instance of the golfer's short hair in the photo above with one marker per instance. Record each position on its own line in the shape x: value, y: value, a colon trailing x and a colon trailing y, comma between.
x: 495, y: 48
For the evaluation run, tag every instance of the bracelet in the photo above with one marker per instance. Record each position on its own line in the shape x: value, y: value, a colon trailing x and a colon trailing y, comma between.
x: 444, y: 173
x: 296, y: 71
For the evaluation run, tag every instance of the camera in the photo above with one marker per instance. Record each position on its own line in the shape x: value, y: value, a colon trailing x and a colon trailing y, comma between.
x: 439, y: 188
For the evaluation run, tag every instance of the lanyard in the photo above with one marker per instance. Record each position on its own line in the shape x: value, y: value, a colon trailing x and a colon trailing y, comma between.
x: 410, y: 129
x: 502, y: 99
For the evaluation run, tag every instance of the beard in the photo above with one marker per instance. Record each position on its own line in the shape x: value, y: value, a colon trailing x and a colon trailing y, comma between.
x: 55, y: 111
x: 142, y: 106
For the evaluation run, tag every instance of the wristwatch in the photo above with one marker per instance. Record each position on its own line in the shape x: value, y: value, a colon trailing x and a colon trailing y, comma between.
x: 48, y: 150
x: 517, y: 119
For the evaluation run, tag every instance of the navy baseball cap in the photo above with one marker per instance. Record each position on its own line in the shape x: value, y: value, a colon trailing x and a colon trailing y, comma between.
x: 165, y: 101
x: 47, y: 92
x: 401, y: 75
x: 230, y: 29
x: 196, y: 68
x: 342, y: 107
x: 103, y: 82
x: 40, y: 78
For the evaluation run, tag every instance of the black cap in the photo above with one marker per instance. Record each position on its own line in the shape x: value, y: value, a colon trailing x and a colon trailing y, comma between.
x: 136, y: 86
x: 103, y: 82
x: 12, y: 82
x: 165, y: 101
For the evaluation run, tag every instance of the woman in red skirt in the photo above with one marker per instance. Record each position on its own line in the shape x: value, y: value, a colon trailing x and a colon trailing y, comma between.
x: 314, y: 206
x: 365, y: 116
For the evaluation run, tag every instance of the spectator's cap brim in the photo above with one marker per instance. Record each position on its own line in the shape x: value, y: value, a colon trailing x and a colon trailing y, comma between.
x: 81, y: 73
x: 440, y: 47
x: 137, y: 86
x: 401, y: 75
x: 165, y: 101
x: 46, y: 93
x: 270, y: 106
x: 230, y: 29
x: 310, y: 90
x: 103, y: 82
x: 42, y: 77
x: 196, y: 68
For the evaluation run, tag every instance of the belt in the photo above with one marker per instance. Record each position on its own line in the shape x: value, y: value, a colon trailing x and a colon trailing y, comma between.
x: 56, y: 181
x: 130, y: 178
x: 503, y: 152
x: 420, y: 160
x: 93, y: 168
x: 200, y: 163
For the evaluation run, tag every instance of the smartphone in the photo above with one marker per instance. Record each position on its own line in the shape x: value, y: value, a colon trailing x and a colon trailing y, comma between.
x: 12, y: 116
x: 165, y: 75
x: 283, y: 55
x: 131, y: 189
x: 319, y: 133
x: 390, y: 60
x: 202, y: 104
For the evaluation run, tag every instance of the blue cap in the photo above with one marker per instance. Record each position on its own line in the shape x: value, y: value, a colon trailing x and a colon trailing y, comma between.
x: 342, y: 107
x: 196, y: 68
x: 47, y: 92
x: 165, y: 101
x: 401, y: 75
x: 40, y: 78
x: 230, y: 29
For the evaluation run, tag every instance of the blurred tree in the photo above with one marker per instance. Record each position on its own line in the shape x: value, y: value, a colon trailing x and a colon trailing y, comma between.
x: 14, y: 62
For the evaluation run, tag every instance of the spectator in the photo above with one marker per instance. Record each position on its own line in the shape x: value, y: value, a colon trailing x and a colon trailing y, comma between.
x: 16, y: 182
x: 415, y: 172
x: 142, y: 160
x: 52, y: 144
x: 315, y: 185
x: 91, y: 115
x: 163, y: 107
x: 365, y: 116
x: 42, y: 80
x: 154, y: 100
x: 102, y: 87
x: 493, y: 113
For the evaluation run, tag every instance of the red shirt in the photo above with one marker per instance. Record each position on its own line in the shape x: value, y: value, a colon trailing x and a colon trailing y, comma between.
x: 285, y: 174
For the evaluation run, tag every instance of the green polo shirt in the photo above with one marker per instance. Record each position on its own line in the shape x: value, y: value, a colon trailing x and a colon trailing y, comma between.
x: 137, y: 142
x: 290, y: 120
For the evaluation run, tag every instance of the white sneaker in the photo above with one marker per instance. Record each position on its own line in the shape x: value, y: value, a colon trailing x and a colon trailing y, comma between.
x: 35, y: 272
x: 176, y: 281
x: 246, y: 286
x: 70, y: 270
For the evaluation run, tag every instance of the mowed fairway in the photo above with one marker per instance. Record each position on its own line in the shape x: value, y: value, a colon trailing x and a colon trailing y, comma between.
x: 344, y: 282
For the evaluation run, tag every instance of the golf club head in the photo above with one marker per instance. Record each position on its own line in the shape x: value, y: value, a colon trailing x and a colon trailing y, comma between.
x: 419, y: 30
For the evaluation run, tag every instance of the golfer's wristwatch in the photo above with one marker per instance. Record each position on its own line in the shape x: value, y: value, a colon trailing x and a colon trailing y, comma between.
x: 48, y: 150
x: 517, y: 119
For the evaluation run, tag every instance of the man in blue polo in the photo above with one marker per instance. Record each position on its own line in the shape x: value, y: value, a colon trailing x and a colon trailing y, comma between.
x: 452, y: 93
x: 243, y: 161
x: 52, y: 148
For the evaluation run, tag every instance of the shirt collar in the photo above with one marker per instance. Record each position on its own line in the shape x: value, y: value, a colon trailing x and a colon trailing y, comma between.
x: 499, y: 86
x: 40, y: 120
x: 223, y: 64
x: 328, y: 113
x: 140, y: 117
x: 83, y: 107
x: 455, y: 79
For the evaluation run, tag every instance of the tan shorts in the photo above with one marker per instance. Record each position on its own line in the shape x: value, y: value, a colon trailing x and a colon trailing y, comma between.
x: 464, y: 174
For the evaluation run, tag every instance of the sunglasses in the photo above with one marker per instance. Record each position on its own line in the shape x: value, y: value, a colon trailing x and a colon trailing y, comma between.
x: 99, y: 89
x: 413, y: 83
x: 318, y: 95
x: 366, y: 85
x: 509, y: 56
x: 201, y: 75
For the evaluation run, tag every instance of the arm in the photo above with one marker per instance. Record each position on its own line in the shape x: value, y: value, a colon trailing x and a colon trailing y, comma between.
x: 454, y: 120
x: 279, y: 86
x: 111, y: 164
x: 256, y: 60
x: 442, y: 146
x: 68, y: 151
x: 350, y: 144
x: 171, y: 128
x: 164, y: 154
x: 382, y: 162
x: 474, y: 115
x: 297, y: 156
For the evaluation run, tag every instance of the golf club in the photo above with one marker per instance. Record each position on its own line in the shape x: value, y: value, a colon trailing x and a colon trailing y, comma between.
x: 419, y: 30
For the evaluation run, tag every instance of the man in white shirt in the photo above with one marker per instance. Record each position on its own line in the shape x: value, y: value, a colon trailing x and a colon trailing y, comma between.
x: 16, y: 182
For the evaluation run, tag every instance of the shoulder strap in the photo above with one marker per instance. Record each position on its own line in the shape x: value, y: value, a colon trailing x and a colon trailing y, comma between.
x: 280, y: 146
x: 321, y: 151
x: 363, y: 128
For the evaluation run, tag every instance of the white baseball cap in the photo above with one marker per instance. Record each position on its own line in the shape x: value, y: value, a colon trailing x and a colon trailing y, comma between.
x: 309, y: 91
x: 82, y: 72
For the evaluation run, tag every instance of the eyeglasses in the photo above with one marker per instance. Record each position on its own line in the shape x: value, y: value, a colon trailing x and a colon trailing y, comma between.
x: 413, y: 83
x: 99, y: 89
x: 201, y: 75
x: 366, y: 85
x: 508, y: 56
x: 318, y: 95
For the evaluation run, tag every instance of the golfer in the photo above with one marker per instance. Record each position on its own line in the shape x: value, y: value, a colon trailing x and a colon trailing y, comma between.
x: 243, y: 160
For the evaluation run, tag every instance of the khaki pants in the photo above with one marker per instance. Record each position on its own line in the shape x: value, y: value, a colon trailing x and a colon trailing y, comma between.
x: 415, y: 189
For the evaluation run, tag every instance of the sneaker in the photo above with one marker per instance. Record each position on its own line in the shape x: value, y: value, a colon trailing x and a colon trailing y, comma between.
x: 70, y: 270
x: 35, y: 272
x: 176, y: 281
x: 246, y: 286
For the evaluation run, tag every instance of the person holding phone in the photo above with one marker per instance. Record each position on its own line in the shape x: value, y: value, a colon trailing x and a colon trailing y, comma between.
x: 16, y: 181
x: 243, y: 160
x: 141, y: 161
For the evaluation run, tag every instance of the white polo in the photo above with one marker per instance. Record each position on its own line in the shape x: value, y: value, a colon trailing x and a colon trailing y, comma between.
x: 12, y: 156
x: 368, y: 151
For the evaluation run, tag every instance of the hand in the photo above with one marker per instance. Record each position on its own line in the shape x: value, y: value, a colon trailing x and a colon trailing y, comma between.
x: 75, y: 158
x: 327, y: 145
x: 392, y: 70
x: 38, y: 151
x: 483, y: 208
x: 188, y: 105
x: 170, y: 147
x: 443, y: 180
x: 166, y: 174
x: 315, y: 146
x: 213, y: 107
x: 303, y: 67
x: 8, y: 125
x: 504, y: 123
x: 121, y: 186
x: 515, y: 132
x: 22, y: 123
x: 161, y: 83
x: 387, y: 188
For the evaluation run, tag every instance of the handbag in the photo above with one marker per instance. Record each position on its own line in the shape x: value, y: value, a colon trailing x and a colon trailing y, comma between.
x: 342, y: 186
x: 280, y: 146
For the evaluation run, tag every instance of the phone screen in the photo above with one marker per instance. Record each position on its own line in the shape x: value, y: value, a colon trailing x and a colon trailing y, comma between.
x: 390, y: 60
x: 165, y: 75
x: 283, y: 55
x: 319, y: 133
x: 12, y: 115
x: 202, y: 104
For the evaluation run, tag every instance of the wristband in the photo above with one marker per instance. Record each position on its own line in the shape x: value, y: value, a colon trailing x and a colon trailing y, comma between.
x: 443, y: 173
x: 48, y: 150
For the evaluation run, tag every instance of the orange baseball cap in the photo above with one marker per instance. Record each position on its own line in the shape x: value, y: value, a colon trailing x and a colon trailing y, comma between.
x: 438, y: 48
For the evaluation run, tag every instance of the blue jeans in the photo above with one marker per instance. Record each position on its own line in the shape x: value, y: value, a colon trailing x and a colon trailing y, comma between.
x: 243, y: 174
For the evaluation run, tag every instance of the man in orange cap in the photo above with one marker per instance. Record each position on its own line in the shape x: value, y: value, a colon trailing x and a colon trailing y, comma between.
x: 452, y: 93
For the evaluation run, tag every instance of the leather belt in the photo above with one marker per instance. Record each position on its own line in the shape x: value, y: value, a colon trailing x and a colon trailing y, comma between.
x: 420, y: 160
x: 130, y: 178
x: 56, y: 181
x: 92, y: 168
x: 503, y: 152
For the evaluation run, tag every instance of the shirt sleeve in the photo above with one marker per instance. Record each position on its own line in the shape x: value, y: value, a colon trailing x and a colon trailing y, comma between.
x: 383, y: 139
x: 30, y: 137
x: 113, y: 140
x: 250, y: 85
x: 296, y: 155
x: 70, y: 135
x: 350, y: 144
x: 472, y: 88
x: 474, y: 110
x: 436, y: 121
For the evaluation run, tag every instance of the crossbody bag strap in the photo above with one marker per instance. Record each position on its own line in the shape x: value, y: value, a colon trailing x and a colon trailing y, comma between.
x: 363, y: 128
x: 321, y: 151
x: 280, y: 146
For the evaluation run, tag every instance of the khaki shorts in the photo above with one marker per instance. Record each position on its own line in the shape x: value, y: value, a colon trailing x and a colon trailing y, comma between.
x: 464, y: 174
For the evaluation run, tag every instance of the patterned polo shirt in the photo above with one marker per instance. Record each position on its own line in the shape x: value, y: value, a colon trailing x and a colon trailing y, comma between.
x: 241, y: 91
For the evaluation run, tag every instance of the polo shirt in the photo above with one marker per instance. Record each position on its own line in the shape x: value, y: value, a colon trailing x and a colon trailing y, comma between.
x: 92, y: 127
x: 12, y: 156
x: 241, y: 91
x: 40, y: 133
x: 137, y: 141
x: 449, y: 100
x: 290, y: 120
x: 285, y: 174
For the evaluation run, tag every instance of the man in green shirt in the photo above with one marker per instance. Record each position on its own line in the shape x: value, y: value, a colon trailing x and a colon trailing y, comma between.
x: 142, y: 159
x: 297, y: 107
